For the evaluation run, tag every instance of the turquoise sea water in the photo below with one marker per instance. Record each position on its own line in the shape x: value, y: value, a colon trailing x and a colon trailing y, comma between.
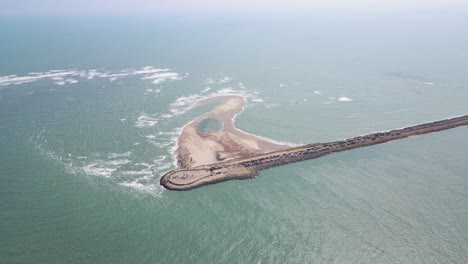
x: 88, y: 126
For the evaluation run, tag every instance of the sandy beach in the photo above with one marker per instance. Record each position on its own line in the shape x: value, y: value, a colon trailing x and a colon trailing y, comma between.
x: 197, y: 147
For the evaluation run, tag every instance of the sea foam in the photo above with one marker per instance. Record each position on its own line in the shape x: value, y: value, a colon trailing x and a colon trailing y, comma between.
x: 223, y: 80
x: 344, y: 99
x: 104, y: 168
x: 62, y: 77
x: 162, y: 77
x: 146, y: 120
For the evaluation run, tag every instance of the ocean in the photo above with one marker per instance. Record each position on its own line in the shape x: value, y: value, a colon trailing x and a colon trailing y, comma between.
x: 91, y: 108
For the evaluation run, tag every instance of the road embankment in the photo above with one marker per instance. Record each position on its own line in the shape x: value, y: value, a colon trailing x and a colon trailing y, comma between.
x: 248, y: 167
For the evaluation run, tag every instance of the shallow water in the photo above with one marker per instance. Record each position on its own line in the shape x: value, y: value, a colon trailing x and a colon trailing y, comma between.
x: 208, y: 125
x: 82, y: 150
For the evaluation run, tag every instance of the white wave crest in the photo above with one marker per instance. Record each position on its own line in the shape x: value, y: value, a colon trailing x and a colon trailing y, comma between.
x: 154, y: 188
x: 162, y: 77
x: 155, y: 91
x: 119, y: 155
x: 223, y: 80
x: 148, y: 70
x: 62, y: 77
x: 160, y: 144
x: 146, y: 120
x: 15, y: 80
x: 344, y: 99
x: 104, y: 168
x: 116, y: 167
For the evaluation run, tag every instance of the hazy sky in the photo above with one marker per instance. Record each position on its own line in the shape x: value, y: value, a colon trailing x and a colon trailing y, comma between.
x: 29, y: 7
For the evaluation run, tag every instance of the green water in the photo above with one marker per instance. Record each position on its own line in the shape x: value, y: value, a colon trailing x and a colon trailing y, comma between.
x: 209, y: 125
x: 80, y: 162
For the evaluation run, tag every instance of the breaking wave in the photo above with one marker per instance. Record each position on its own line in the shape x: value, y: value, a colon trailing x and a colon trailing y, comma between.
x: 223, y: 80
x: 344, y: 99
x: 146, y: 120
x: 63, y: 77
x: 160, y: 77
x: 186, y: 103
x: 132, y: 168
x: 55, y: 75
x: 123, y: 168
x: 104, y: 168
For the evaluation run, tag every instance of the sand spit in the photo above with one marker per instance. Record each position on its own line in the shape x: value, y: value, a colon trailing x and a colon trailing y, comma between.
x: 196, y: 148
x: 247, y: 167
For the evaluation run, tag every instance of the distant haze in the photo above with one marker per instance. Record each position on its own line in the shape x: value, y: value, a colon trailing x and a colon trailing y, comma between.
x: 36, y: 7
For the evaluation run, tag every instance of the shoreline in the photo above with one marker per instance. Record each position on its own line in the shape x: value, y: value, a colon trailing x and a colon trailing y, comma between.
x: 195, y: 148
x: 248, y: 167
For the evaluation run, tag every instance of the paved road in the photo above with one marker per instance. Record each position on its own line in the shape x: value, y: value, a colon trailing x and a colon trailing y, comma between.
x: 244, y: 168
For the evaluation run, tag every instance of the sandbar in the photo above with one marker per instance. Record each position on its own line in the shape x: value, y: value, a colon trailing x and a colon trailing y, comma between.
x: 196, y: 147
